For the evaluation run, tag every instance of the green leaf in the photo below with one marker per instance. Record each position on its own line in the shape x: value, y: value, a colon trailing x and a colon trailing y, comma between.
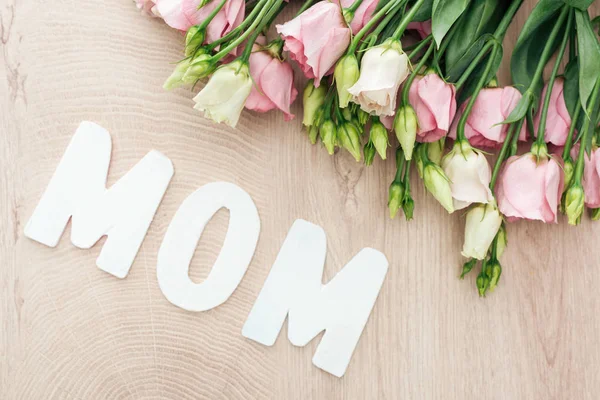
x: 579, y: 4
x: 521, y: 109
x: 530, y: 45
x: 479, y: 18
x: 471, y: 83
x: 455, y: 71
x: 588, y: 56
x: 444, y: 15
x: 571, y: 88
x: 424, y: 13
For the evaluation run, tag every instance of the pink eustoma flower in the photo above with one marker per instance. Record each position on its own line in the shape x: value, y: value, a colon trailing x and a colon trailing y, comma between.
x: 591, y: 176
x: 316, y: 39
x: 182, y: 14
x: 530, y: 189
x: 558, y: 121
x: 273, y: 84
x: 422, y: 28
x: 146, y: 6
x: 434, y: 102
x: 492, y: 106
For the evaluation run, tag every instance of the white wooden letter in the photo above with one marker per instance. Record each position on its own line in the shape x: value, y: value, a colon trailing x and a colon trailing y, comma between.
x: 78, y: 189
x: 294, y: 288
x: 183, y: 234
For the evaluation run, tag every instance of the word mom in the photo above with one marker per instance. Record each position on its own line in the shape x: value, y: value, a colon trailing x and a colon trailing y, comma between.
x: 123, y: 213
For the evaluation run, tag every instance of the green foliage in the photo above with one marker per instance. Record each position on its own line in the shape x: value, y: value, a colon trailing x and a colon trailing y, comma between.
x: 444, y: 14
x: 588, y: 56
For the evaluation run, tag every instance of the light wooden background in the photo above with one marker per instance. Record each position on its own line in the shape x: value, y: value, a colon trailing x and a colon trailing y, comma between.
x: 71, y: 331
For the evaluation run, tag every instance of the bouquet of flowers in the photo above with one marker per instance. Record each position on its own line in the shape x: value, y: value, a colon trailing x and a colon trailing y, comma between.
x: 426, y: 71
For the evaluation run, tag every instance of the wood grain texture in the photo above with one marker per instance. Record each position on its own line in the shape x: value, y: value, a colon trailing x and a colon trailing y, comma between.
x: 71, y: 331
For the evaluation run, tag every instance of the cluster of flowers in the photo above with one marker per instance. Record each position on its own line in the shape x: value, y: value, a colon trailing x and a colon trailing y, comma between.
x: 424, y: 70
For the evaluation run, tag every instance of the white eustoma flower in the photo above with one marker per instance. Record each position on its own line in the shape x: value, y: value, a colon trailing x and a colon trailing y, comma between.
x: 483, y: 222
x: 224, y: 96
x: 383, y: 69
x: 469, y: 174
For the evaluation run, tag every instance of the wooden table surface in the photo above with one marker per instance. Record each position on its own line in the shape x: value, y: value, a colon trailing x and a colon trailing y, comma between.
x: 70, y: 331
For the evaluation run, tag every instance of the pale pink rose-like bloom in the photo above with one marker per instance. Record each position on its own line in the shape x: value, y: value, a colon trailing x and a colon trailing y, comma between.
x: 422, y: 28
x: 434, y: 102
x: 528, y: 189
x: 470, y: 175
x: 558, y: 121
x: 363, y: 13
x: 182, y: 14
x: 273, y: 84
x: 316, y: 39
x: 492, y: 106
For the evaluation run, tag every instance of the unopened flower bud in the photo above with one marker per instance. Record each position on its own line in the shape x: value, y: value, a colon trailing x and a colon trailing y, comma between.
x: 346, y: 74
x: 369, y: 152
x: 596, y: 214
x: 176, y: 78
x: 349, y: 136
x: 438, y: 185
x: 494, y: 274
x: 396, y: 194
x: 408, y: 206
x: 493, y: 83
x: 540, y: 151
x: 482, y: 283
x: 194, y: 39
x: 419, y: 163
x: 405, y: 126
x: 482, y: 225
x: 312, y: 99
x: 574, y: 203
x: 568, y: 168
x: 328, y: 135
x: 347, y: 114
x: 435, y: 150
x: 379, y: 137
x: 313, y: 132
x: 275, y: 48
x: 467, y: 267
x: 201, y: 66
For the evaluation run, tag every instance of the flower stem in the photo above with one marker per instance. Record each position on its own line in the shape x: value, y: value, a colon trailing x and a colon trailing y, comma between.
x: 415, y: 51
x: 569, y: 141
x: 371, y: 23
x: 414, y: 73
x: 407, y: 19
x: 463, y: 79
x: 587, y: 130
x: 271, y: 5
x: 507, y: 19
x: 462, y: 122
x: 502, y: 155
x: 260, y: 6
x: 544, y: 112
x: 212, y: 15
x: 354, y: 6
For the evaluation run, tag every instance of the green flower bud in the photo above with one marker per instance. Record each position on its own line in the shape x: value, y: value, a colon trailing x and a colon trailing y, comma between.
x: 396, y: 194
x: 369, y: 151
x: 349, y: 136
x: 194, y: 39
x: 419, y: 163
x: 435, y: 150
x: 379, y: 137
x: 176, y: 78
x: 346, y: 74
x: 493, y: 83
x: 574, y: 203
x: 568, y: 168
x: 405, y: 126
x: 348, y: 15
x: 438, y: 185
x: 482, y: 283
x: 312, y: 99
x: 501, y: 241
x: 347, y: 114
x: 275, y: 48
x: 313, y: 132
x: 201, y: 66
x: 467, y: 267
x: 540, y: 151
x: 328, y: 135
x: 494, y: 274
x: 596, y: 214
x: 408, y: 206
